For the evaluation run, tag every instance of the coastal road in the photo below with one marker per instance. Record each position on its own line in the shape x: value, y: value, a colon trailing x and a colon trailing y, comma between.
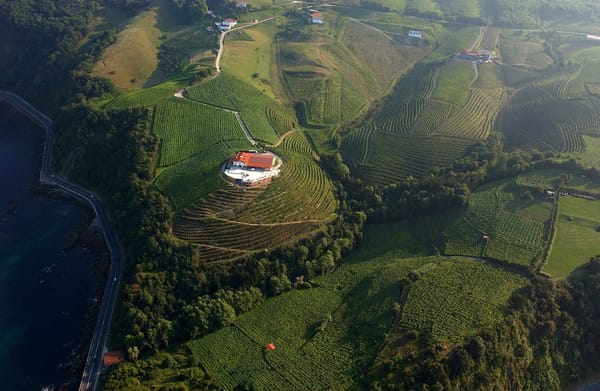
x: 94, y: 361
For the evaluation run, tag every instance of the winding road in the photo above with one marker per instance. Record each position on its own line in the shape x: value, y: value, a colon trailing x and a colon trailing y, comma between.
x: 94, y: 362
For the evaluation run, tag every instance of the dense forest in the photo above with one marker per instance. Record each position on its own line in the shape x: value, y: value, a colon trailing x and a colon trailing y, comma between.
x: 170, y: 295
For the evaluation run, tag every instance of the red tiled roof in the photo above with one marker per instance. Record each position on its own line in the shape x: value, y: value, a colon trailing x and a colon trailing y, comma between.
x: 254, y: 160
x: 114, y: 357
x: 315, y: 15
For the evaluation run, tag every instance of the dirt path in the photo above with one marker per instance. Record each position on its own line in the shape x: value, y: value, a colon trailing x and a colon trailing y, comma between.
x: 179, y: 94
x: 287, y: 134
x: 479, y: 38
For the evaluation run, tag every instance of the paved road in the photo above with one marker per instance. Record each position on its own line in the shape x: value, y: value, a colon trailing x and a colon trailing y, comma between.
x: 94, y: 364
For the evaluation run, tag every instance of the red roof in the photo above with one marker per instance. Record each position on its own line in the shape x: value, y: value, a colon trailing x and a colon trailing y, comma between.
x: 230, y: 20
x: 254, y: 160
x: 315, y: 15
x: 114, y: 357
x: 270, y: 346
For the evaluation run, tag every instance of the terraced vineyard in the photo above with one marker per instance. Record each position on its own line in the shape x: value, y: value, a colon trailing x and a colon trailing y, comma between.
x: 186, y: 128
x: 406, y: 103
x: 433, y: 115
x: 556, y: 81
x: 476, y: 119
x: 391, y: 157
x: 356, y: 146
x: 234, y: 221
x: 282, y: 119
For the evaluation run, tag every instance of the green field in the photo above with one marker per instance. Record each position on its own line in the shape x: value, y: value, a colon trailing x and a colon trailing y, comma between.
x: 324, y: 335
x: 577, y: 235
x: 453, y: 83
x: 494, y: 210
x: 195, y: 140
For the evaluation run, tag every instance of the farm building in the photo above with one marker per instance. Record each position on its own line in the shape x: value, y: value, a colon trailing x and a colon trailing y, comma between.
x: 415, y: 34
x: 315, y: 18
x: 478, y: 56
x: 241, y: 4
x: 250, y: 168
x: 227, y: 24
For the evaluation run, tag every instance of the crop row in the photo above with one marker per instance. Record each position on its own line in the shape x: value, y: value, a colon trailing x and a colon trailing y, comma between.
x: 213, y: 91
x: 435, y: 113
x: 356, y: 145
x: 476, y: 118
x: 281, y: 119
x: 296, y: 142
x: 458, y: 297
x: 407, y: 101
x: 546, y: 179
x: 557, y: 80
x: 230, y: 234
x: 394, y: 157
x: 186, y: 128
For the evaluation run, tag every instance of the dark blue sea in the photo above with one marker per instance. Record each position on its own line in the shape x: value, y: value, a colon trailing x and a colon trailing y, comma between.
x: 47, y: 280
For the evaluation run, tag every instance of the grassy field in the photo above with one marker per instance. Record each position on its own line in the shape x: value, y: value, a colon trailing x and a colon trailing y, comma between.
x: 147, y: 97
x: 131, y: 60
x: 516, y: 51
x: 453, y: 83
x: 232, y: 221
x: 577, y: 236
x: 325, y: 334
x: 251, y: 60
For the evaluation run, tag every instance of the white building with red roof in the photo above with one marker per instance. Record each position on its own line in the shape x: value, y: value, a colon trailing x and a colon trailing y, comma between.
x: 251, y: 168
x: 227, y: 24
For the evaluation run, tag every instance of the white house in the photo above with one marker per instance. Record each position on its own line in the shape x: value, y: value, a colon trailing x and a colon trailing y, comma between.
x: 315, y: 18
x: 415, y: 34
x: 227, y: 24
x: 242, y: 4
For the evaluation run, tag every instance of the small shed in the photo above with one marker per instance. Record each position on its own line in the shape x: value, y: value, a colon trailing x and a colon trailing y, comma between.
x: 270, y: 346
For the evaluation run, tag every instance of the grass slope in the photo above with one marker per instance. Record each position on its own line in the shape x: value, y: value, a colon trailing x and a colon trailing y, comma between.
x: 326, y: 334
x: 577, y: 236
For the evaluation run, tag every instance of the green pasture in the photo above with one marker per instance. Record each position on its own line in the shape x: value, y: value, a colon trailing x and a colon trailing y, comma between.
x: 453, y: 83
x: 489, y: 76
x: 421, y: 7
x: 145, y: 97
x: 451, y: 39
x: 130, y: 62
x: 251, y: 61
x: 515, y: 51
x: 577, y: 236
x: 591, y: 156
x: 583, y: 184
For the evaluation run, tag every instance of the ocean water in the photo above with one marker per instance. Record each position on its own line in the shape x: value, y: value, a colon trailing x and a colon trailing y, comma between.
x: 47, y: 286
